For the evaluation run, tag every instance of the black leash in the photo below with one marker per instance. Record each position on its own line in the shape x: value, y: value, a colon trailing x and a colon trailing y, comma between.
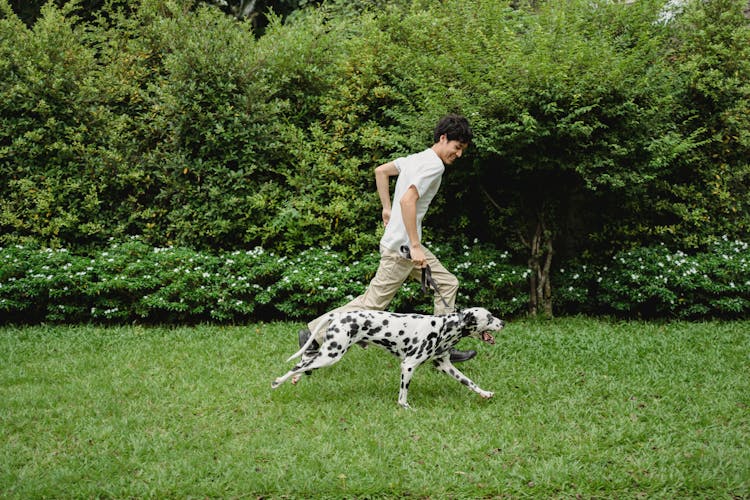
x: 427, y: 281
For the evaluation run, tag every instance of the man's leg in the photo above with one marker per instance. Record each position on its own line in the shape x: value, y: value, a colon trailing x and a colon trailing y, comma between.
x: 447, y: 286
x: 390, y: 276
x: 446, y: 282
x: 392, y: 271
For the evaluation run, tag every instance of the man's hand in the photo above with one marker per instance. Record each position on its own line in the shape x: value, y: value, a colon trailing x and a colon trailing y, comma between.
x: 382, y: 176
x: 409, y: 213
x: 417, y: 256
x: 386, y: 216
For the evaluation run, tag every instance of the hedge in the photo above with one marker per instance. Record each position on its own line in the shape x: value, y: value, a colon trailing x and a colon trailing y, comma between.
x: 136, y: 282
x: 599, y: 126
x: 656, y: 282
x: 175, y: 122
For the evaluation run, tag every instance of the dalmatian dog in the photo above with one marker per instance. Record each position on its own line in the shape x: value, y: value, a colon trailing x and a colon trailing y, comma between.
x: 413, y: 338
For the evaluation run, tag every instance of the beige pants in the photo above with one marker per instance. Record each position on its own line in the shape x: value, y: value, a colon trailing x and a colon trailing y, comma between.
x: 391, y: 274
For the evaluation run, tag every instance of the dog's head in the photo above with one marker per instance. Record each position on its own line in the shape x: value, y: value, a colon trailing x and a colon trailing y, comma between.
x: 479, y: 322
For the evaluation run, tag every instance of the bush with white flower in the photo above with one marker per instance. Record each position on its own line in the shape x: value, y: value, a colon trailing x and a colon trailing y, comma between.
x: 131, y: 281
x: 659, y: 282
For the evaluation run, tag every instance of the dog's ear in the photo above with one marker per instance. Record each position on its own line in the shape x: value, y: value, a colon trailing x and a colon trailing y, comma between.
x: 468, y: 319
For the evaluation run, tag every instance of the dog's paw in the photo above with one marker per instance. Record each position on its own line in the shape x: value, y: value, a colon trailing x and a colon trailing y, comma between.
x: 486, y: 394
x: 295, y: 379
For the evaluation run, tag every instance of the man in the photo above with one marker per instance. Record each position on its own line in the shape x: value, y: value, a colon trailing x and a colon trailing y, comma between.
x: 418, y: 179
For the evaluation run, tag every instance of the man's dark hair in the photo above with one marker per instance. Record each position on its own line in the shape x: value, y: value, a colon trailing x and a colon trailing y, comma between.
x: 455, y: 127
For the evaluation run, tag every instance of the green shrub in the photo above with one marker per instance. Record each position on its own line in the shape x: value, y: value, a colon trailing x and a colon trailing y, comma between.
x: 49, y: 127
x: 174, y: 122
x: 136, y: 282
x: 706, y: 191
x: 657, y: 282
x: 133, y: 281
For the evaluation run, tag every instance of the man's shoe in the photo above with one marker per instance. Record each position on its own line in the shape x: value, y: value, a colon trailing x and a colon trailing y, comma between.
x: 460, y: 356
x: 303, y: 337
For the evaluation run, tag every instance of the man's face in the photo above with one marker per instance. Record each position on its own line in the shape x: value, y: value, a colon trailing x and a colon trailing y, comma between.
x: 449, y: 151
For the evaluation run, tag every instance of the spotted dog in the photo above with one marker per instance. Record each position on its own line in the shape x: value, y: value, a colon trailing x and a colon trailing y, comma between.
x: 413, y: 338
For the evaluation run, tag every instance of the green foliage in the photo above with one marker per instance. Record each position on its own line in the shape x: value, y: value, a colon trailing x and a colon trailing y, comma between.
x: 208, y: 120
x: 571, y: 113
x: 136, y: 282
x: 50, y: 126
x: 176, y: 123
x: 705, y: 191
x: 658, y: 282
x: 487, y: 277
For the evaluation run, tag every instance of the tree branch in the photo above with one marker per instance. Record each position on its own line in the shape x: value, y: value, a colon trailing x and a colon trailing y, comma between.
x: 491, y: 200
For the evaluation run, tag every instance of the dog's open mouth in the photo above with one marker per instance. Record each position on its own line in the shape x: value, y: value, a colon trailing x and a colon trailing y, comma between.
x: 487, y: 337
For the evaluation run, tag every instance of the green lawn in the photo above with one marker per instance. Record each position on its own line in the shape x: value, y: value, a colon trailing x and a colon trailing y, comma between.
x: 581, y: 407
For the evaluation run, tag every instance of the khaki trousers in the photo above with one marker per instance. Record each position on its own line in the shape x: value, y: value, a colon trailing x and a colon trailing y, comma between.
x: 391, y: 274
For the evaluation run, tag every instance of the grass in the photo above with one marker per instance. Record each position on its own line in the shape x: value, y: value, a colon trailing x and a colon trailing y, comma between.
x: 582, y: 407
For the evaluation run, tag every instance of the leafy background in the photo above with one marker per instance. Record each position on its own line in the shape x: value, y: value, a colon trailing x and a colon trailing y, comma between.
x: 599, y: 130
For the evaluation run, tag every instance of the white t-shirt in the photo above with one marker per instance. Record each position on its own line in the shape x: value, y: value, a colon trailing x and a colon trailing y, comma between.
x: 424, y: 171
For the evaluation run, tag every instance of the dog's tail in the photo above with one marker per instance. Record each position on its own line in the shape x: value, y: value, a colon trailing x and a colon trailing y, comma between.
x: 321, y: 325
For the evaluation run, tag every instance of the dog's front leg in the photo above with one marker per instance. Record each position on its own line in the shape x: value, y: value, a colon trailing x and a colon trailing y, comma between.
x: 445, y: 366
x: 407, y: 371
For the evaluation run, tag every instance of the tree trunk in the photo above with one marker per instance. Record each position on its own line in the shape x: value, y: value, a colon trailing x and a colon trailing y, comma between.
x: 540, y: 262
x: 245, y: 9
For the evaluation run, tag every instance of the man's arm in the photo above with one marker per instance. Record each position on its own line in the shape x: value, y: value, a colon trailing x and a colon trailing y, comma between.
x: 383, y: 173
x: 409, y: 214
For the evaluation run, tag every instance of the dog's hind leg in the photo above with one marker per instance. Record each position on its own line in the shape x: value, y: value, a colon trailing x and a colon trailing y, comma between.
x: 407, y: 372
x: 309, y: 341
x: 318, y: 360
x: 294, y: 372
x: 444, y: 365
